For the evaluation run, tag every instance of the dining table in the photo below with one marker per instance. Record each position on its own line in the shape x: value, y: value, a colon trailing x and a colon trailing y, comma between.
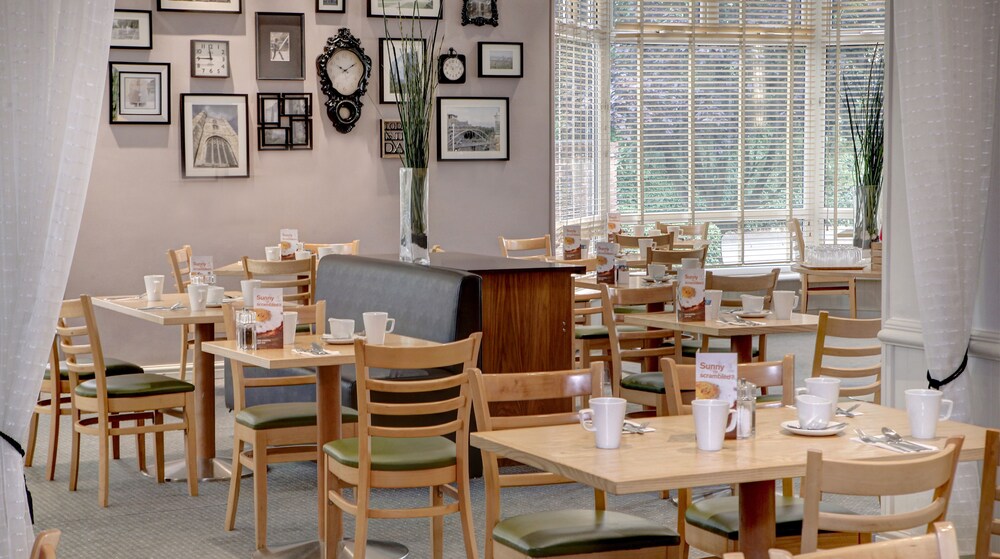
x: 849, y: 275
x: 668, y: 458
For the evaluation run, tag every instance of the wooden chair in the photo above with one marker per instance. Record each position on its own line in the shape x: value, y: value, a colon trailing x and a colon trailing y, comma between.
x: 989, y: 525
x: 933, y: 472
x: 732, y: 287
x: 695, y: 230
x: 407, y: 455
x: 851, y: 328
x: 671, y: 258
x: 820, y: 285
x: 180, y: 265
x: 277, y: 433
x: 45, y: 545
x: 352, y: 247
x: 299, y: 275
x: 517, y: 245
x: 107, y: 400
x: 941, y: 544
x: 578, y: 533
x: 632, y: 242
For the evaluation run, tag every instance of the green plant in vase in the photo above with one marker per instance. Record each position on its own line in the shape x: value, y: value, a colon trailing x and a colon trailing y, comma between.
x: 866, y: 119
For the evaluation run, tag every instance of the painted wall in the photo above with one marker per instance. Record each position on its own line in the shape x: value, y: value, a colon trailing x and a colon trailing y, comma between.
x: 138, y: 205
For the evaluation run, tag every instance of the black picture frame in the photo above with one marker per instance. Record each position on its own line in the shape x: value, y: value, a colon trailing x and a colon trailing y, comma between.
x: 272, y: 138
x: 473, y: 129
x: 378, y: 8
x: 480, y: 12
x: 268, y: 109
x: 225, y: 152
x: 331, y: 6
x: 132, y: 29
x: 386, y: 95
x: 494, y: 58
x: 291, y: 112
x: 390, y: 138
x: 140, y: 92
x: 296, y: 104
x: 280, y: 46
x: 213, y: 6
x: 300, y: 135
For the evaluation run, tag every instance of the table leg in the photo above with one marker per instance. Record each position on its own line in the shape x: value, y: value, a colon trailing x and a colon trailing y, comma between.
x: 327, y: 428
x: 743, y: 347
x: 204, y: 400
x: 756, y: 518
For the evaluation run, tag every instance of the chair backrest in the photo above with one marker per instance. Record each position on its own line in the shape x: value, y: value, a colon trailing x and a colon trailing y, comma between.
x: 798, y: 242
x: 672, y: 257
x: 299, y: 275
x: 935, y: 471
x: 989, y: 525
x: 852, y: 328
x: 759, y: 284
x: 590, y: 264
x: 696, y: 230
x: 663, y: 241
x: 80, y: 342
x: 351, y: 248
x: 543, y: 243
x: 45, y: 545
x: 940, y: 544
x: 180, y: 264
x: 679, y: 380
x: 647, y: 344
x: 307, y: 314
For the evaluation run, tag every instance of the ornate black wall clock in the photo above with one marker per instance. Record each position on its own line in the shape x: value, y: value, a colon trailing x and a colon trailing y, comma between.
x: 480, y: 12
x: 344, y: 70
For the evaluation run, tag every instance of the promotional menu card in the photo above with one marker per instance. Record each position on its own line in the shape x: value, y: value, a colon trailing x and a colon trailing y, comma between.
x: 201, y: 266
x: 691, y: 295
x: 715, y: 376
x: 268, y: 304
x: 571, y: 242
x: 614, y: 225
x: 289, y: 243
x: 606, y: 253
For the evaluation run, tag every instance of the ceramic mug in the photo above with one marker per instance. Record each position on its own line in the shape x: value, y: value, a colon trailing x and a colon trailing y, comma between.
x: 923, y: 407
x: 215, y: 295
x: 341, y: 328
x: 248, y: 287
x: 657, y: 271
x: 814, y: 412
x: 303, y: 255
x: 377, y: 325
x: 605, y: 417
x: 154, y: 287
x: 289, y: 322
x: 272, y: 253
x: 825, y: 387
x: 752, y: 303
x: 783, y: 303
x: 197, y: 296
x: 710, y: 427
x: 713, y: 303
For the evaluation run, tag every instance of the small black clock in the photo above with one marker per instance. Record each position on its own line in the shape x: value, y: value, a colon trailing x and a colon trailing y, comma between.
x: 451, y: 67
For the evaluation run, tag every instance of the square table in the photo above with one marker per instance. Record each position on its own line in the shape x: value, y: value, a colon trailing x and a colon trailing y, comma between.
x: 669, y: 459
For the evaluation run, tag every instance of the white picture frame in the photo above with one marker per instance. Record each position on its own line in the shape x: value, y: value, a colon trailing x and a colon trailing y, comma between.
x: 425, y: 9
x: 224, y: 151
x: 473, y: 128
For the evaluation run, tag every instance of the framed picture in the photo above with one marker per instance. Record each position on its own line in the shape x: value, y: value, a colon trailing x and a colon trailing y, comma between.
x: 473, y: 128
x: 272, y: 138
x: 269, y: 109
x: 209, y: 59
x: 279, y: 46
x: 501, y: 60
x: 291, y: 113
x: 390, y: 57
x: 390, y: 139
x: 480, y: 12
x: 132, y: 29
x: 301, y: 133
x: 427, y: 9
x: 296, y: 104
x: 140, y: 93
x: 214, y: 135
x: 221, y: 6
x: 334, y: 6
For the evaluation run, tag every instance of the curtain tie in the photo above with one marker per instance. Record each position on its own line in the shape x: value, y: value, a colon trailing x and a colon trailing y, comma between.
x: 937, y: 384
x: 10, y: 440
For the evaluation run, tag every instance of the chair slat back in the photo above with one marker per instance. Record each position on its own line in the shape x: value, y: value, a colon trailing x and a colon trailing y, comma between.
x: 352, y: 247
x: 543, y: 243
x: 854, y: 329
x: 795, y: 230
x: 989, y: 525
x: 679, y: 380
x: 760, y: 284
x: 297, y: 275
x: 663, y: 241
x: 83, y: 357
x: 180, y: 265
x: 648, y: 344
x: 696, y: 230
x: 941, y: 544
x: 672, y: 257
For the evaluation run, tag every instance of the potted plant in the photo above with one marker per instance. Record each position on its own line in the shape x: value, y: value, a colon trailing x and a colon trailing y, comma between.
x: 866, y: 119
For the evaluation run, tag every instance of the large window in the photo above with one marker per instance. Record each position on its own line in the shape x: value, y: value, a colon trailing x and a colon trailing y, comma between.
x: 728, y: 112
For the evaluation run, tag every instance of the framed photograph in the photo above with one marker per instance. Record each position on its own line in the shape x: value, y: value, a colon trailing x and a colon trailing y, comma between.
x: 140, y: 93
x: 391, y: 139
x: 289, y: 112
x: 209, y: 59
x: 296, y: 104
x: 390, y: 56
x: 301, y: 133
x: 269, y: 109
x: 333, y: 6
x: 280, y: 54
x: 473, y: 128
x: 214, y: 135
x: 272, y: 138
x: 501, y: 60
x: 221, y: 6
x: 132, y: 29
x: 427, y: 9
x: 480, y: 12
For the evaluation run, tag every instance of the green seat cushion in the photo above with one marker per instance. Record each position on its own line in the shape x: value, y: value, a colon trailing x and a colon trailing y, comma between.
x: 597, y: 331
x: 580, y: 531
x: 690, y: 347
x: 112, y: 367
x: 647, y: 382
x: 287, y: 414
x: 631, y: 309
x: 396, y: 455
x: 128, y: 386
x: 721, y: 515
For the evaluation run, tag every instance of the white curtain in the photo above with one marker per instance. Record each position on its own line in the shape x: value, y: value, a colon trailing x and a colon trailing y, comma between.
x: 53, y: 65
x: 946, y: 72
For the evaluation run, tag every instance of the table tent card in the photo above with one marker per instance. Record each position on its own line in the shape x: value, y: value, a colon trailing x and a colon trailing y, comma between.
x: 691, y: 295
x: 614, y: 225
x: 715, y: 377
x: 268, y: 303
x: 606, y: 253
x: 571, y: 242
x: 202, y: 266
x: 289, y: 243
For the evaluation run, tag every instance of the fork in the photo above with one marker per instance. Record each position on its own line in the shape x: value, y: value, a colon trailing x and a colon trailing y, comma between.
x: 317, y: 349
x: 866, y: 438
x: 637, y: 428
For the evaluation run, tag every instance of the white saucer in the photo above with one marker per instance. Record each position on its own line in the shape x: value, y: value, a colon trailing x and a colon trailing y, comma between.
x: 788, y: 426
x: 327, y: 338
x: 752, y: 314
x: 651, y: 279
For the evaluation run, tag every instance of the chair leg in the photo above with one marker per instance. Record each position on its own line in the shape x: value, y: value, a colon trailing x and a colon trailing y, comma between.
x: 260, y: 490
x: 158, y: 449
x: 74, y: 461
x: 234, y: 484
x: 103, y: 461
x: 362, y: 495
x: 333, y: 531
x: 852, y: 293
x: 140, y: 445
x: 465, y: 511
x: 804, y: 292
x: 55, y: 414
x: 437, y: 524
x: 116, y: 443
x: 29, y: 453
x: 189, y: 442
x: 184, y: 351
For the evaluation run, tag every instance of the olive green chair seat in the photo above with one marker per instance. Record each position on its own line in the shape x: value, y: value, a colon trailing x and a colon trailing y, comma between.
x: 690, y: 347
x: 130, y: 386
x: 396, y: 455
x: 631, y: 309
x: 580, y: 531
x: 647, y: 382
x: 112, y: 367
x: 287, y: 414
x: 721, y: 515
x: 598, y: 331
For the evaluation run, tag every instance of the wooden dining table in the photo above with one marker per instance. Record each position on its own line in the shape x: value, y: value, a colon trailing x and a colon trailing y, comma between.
x: 668, y: 458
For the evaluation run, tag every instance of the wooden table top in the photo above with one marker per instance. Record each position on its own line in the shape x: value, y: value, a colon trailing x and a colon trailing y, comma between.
x: 768, y: 325
x: 865, y: 273
x: 286, y: 358
x: 131, y: 306
x: 668, y: 458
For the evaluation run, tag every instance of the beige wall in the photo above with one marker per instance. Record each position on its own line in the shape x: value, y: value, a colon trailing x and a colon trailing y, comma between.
x: 138, y: 205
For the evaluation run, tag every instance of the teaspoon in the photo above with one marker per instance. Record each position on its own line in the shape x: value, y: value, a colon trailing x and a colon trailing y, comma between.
x: 895, y: 437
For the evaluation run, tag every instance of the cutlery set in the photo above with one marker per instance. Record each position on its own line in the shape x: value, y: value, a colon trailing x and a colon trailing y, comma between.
x: 893, y: 440
x: 174, y: 307
x: 739, y: 321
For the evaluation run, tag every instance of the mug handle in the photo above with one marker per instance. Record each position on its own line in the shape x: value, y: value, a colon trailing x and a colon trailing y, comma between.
x: 390, y: 325
x: 946, y: 403
x: 587, y: 424
x: 801, y: 390
x: 732, y: 420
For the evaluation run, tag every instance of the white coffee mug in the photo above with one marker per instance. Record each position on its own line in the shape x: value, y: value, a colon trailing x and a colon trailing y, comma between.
x: 814, y: 412
x: 783, y: 303
x: 710, y: 418
x: 248, y: 287
x: 197, y: 296
x: 341, y: 328
x: 923, y: 407
x: 657, y: 271
x: 827, y: 388
x: 215, y: 295
x: 303, y: 255
x: 713, y: 303
x: 645, y: 244
x: 323, y: 251
x: 377, y: 325
x: 605, y: 417
x: 289, y: 322
x: 752, y: 303
x: 154, y: 287
x: 272, y: 253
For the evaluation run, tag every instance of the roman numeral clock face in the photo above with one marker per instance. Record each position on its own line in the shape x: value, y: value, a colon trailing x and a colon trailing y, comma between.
x: 344, y: 69
x: 209, y: 59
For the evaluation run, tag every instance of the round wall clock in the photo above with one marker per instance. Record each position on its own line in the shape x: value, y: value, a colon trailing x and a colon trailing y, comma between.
x: 344, y: 70
x: 451, y: 67
x: 209, y: 59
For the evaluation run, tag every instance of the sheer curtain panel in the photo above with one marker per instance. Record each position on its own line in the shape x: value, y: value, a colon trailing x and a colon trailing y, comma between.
x: 53, y: 61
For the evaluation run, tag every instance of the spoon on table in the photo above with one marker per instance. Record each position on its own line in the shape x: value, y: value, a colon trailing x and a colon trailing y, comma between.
x: 849, y: 412
x: 895, y: 437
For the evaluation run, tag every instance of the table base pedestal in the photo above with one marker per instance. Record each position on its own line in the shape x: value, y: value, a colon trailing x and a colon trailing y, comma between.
x: 313, y: 550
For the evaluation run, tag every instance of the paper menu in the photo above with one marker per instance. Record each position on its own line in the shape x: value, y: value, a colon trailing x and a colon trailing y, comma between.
x: 202, y: 266
x: 605, y: 253
x: 716, y: 376
x: 289, y: 243
x: 614, y: 225
x: 268, y: 303
x: 691, y: 294
x: 571, y: 242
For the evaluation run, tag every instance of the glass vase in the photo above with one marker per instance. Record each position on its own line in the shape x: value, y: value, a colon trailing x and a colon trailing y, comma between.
x: 413, y: 202
x: 866, y: 225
